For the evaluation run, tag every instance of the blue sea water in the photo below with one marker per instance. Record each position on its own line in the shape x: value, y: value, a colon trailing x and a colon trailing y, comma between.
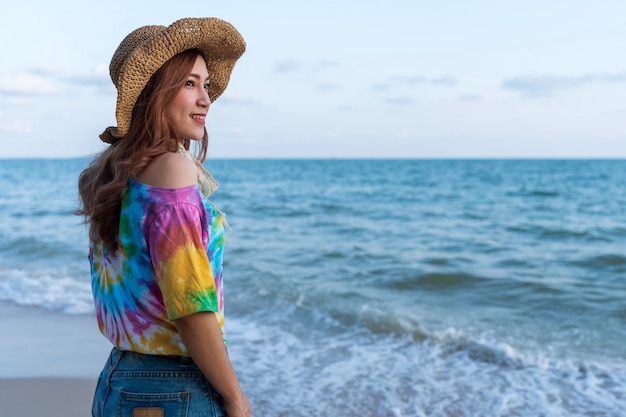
x: 385, y: 287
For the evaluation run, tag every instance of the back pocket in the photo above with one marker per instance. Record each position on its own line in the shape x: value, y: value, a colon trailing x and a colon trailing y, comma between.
x: 133, y: 404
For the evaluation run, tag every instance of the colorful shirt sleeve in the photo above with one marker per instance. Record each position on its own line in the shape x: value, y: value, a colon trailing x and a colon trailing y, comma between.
x: 178, y: 248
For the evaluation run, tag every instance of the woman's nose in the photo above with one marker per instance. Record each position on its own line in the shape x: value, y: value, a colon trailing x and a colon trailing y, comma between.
x: 204, y: 100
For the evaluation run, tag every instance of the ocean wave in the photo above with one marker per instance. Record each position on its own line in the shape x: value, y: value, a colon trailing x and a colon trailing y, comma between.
x: 389, y: 323
x: 436, y: 281
x: 52, y: 290
x: 28, y: 246
x: 43, y: 212
x: 601, y: 262
x: 616, y: 231
x: 541, y: 193
x: 42, y: 249
x: 275, y: 208
x: 447, y: 262
x: 557, y: 233
x: 449, y: 373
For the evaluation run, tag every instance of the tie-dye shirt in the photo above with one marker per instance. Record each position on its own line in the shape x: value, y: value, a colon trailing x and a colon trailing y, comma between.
x: 169, y: 266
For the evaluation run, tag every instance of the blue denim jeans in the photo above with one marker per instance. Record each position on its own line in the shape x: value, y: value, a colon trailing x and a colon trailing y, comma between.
x: 137, y: 385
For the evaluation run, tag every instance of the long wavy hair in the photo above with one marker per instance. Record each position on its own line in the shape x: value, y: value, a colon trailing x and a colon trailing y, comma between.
x: 102, y: 184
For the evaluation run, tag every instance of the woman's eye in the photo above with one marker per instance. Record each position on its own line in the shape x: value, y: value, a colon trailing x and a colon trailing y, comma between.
x: 189, y: 83
x: 206, y: 86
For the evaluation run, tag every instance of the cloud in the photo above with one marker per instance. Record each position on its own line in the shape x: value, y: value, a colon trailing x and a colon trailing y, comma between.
x: 237, y: 131
x: 45, y: 71
x: 324, y: 63
x: 404, y: 79
x: 444, y: 80
x: 27, y: 84
x: 328, y: 87
x: 18, y: 100
x: 48, y: 81
x: 346, y: 108
x: 17, y: 127
x: 400, y: 101
x: 237, y: 99
x: 543, y: 85
x: 381, y: 87
x: 469, y: 97
x: 98, y: 77
x: 288, y: 65
x: 291, y: 65
x: 403, y: 135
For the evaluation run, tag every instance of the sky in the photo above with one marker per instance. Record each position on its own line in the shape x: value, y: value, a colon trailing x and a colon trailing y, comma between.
x: 340, y: 79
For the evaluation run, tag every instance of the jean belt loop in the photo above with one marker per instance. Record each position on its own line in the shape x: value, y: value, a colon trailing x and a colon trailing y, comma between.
x: 185, y: 361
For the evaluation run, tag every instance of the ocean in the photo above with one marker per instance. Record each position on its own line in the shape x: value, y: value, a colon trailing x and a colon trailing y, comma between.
x: 384, y: 287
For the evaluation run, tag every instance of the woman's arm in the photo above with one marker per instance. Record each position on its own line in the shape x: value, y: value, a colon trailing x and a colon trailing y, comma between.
x: 201, y: 335
x: 199, y: 332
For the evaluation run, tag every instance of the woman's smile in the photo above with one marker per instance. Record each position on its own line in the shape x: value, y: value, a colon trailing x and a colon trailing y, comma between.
x: 187, y: 112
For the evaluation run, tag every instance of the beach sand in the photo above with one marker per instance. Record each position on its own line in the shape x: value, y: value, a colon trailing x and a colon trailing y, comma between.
x: 34, y: 397
x: 49, y: 362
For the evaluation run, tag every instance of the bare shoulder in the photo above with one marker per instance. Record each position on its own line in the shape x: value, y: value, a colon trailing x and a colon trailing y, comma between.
x: 169, y: 170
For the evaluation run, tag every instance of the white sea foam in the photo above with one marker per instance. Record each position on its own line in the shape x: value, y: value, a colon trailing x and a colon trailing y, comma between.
x: 53, y: 290
x: 448, y: 374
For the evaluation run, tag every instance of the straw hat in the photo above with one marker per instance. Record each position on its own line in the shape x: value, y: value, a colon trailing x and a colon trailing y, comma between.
x: 146, y: 49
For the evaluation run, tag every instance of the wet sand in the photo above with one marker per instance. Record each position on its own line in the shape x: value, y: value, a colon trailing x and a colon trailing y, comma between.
x: 49, y: 362
x: 31, y: 397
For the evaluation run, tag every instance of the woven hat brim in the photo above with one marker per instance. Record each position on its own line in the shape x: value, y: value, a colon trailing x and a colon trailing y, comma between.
x: 217, y: 39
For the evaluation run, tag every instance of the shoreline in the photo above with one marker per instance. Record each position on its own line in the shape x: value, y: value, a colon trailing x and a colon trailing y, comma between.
x: 38, y: 343
x: 49, y: 362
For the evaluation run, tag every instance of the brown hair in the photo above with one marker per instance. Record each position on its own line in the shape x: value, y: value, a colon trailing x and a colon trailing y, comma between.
x: 103, y: 183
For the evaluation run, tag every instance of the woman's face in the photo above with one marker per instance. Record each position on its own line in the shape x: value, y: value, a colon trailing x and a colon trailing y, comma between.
x: 186, y: 113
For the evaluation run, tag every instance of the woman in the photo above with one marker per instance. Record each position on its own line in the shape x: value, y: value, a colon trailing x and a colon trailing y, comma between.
x: 155, y: 239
